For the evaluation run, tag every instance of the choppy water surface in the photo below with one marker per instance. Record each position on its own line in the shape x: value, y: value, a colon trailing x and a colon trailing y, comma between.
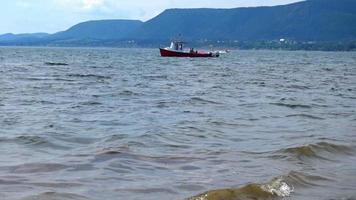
x: 94, y: 124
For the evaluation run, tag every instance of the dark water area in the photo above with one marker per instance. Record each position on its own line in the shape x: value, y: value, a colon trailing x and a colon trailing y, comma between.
x: 94, y: 124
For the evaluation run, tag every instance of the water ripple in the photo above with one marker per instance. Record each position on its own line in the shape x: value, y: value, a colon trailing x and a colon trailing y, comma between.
x: 83, y: 123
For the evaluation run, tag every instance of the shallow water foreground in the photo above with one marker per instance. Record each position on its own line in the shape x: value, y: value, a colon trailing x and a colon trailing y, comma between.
x: 93, y: 124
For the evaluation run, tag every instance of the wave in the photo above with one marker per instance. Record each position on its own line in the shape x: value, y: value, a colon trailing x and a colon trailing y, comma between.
x: 298, y: 179
x: 128, y: 93
x: 301, y: 87
x: 154, y: 77
x: 201, y: 100
x: 148, y: 190
x: 56, y: 195
x: 56, y: 64
x: 276, y: 188
x: 29, y: 168
x: 289, y: 105
x: 125, y: 153
x: 318, y: 150
x: 305, y: 116
x: 90, y: 103
x: 89, y: 76
x: 68, y: 185
x: 34, y: 141
x: 53, y: 78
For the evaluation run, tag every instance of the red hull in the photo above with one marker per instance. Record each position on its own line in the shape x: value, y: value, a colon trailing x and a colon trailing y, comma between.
x: 168, y: 53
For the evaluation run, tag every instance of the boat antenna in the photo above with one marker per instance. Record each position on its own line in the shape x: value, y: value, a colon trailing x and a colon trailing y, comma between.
x: 179, y: 37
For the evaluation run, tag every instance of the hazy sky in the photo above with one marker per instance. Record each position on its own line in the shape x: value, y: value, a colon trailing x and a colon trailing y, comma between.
x: 20, y: 16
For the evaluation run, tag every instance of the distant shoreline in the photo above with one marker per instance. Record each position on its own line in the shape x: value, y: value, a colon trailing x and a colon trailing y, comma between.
x: 243, y: 45
x: 314, y: 25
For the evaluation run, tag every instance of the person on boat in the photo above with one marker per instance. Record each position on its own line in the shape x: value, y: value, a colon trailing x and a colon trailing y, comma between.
x: 181, y: 46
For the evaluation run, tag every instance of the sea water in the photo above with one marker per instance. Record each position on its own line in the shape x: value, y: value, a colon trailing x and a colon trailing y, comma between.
x: 94, y: 124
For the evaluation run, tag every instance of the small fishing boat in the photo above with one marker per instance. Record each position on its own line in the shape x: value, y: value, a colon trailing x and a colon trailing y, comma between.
x: 177, y: 50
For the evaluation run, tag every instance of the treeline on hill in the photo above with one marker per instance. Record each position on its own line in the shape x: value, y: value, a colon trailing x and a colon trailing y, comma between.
x: 307, y: 25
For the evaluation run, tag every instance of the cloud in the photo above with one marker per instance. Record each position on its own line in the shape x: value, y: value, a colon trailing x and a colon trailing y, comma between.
x: 144, y: 9
x: 79, y: 4
x: 20, y: 16
x: 89, y: 4
x: 23, y: 4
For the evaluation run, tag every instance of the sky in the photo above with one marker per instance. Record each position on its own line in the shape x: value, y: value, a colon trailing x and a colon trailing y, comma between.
x: 50, y: 16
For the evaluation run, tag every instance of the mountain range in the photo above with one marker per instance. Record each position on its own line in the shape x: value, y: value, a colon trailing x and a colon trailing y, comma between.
x: 310, y: 20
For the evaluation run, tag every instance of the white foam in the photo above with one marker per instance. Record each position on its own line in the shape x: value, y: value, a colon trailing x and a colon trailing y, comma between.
x: 278, y: 187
